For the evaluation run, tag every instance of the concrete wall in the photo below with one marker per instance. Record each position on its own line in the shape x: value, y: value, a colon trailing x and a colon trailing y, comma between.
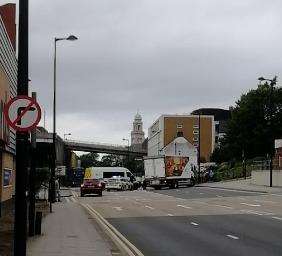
x: 262, y: 178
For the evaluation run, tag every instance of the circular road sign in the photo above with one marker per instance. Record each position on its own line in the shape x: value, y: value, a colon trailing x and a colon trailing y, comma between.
x: 22, y: 113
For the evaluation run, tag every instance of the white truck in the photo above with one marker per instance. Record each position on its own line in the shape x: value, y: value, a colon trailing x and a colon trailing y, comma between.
x: 174, y: 166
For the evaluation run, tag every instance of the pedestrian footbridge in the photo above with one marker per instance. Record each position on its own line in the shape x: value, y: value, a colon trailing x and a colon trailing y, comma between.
x: 98, y: 147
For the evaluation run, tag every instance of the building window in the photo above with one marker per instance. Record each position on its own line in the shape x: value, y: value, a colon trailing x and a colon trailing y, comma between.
x: 138, y: 127
x: 195, y: 132
x: 195, y: 138
x: 196, y: 145
x: 179, y: 126
x: 196, y: 126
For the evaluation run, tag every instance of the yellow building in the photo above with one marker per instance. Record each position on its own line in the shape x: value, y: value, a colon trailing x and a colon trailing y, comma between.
x: 167, y: 127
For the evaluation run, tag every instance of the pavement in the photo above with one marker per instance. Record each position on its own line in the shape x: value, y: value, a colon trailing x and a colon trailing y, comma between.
x: 69, y: 231
x: 243, y: 185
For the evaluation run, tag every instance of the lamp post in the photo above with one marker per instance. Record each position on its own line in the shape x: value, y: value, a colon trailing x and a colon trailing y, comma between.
x: 66, y: 134
x: 52, y: 195
x: 270, y: 122
x: 127, y: 150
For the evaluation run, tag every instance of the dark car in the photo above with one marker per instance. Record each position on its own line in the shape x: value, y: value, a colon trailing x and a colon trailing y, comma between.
x: 92, y: 186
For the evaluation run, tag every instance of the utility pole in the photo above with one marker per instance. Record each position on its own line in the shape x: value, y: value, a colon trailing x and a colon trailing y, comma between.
x: 20, y: 230
x: 32, y: 176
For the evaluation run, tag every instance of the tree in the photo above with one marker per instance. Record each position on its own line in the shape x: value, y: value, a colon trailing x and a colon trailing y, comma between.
x: 89, y: 160
x: 249, y: 128
x: 111, y: 160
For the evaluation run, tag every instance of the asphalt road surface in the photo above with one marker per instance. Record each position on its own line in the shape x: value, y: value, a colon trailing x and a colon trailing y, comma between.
x: 194, y: 221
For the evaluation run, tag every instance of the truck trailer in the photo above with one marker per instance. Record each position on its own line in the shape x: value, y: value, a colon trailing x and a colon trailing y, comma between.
x: 174, y: 166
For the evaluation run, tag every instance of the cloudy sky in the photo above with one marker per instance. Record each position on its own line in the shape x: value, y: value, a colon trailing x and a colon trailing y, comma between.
x: 158, y: 56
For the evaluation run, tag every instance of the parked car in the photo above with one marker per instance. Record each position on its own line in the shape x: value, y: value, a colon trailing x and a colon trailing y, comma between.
x: 92, y: 186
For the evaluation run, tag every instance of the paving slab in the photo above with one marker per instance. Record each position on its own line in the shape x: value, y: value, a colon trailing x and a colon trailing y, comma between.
x: 68, y: 231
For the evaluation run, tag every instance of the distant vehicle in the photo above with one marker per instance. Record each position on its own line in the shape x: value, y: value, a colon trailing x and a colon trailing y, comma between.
x: 119, y: 183
x: 106, y: 173
x: 173, y: 167
x: 75, y: 176
x: 92, y: 186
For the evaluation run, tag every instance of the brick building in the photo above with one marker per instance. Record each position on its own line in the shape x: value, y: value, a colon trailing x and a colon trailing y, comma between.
x: 8, y: 89
x: 167, y: 127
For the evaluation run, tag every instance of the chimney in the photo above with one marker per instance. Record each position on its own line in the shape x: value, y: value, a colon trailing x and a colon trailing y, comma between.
x: 8, y: 15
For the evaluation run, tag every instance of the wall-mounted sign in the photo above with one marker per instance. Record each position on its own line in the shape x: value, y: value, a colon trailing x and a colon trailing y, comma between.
x: 7, y: 177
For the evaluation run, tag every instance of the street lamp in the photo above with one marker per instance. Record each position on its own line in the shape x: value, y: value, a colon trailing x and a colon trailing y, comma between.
x: 270, y: 123
x: 66, y: 134
x: 127, y: 150
x: 52, y: 178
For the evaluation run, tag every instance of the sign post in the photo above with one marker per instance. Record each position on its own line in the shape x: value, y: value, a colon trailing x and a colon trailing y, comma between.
x: 20, y: 231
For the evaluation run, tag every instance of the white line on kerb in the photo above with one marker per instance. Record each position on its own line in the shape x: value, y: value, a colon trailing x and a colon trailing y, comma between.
x: 149, y: 207
x: 233, y: 237
x: 169, y: 214
x: 194, y: 223
x: 184, y: 206
x: 276, y: 218
x: 253, y: 205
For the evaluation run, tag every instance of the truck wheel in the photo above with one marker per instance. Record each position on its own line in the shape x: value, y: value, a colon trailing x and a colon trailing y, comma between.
x: 81, y: 195
x: 157, y: 187
x: 100, y: 193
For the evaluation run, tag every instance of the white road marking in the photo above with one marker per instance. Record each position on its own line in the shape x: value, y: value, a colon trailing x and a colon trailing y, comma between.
x: 169, y: 214
x: 118, y: 208
x: 67, y: 200
x: 276, y: 218
x: 233, y: 237
x: 184, y: 206
x: 266, y: 201
x: 234, y: 190
x: 257, y: 213
x: 149, y: 207
x: 194, y: 223
x: 74, y: 193
x: 224, y: 206
x: 202, y: 193
x: 276, y: 195
x: 218, y: 196
x: 252, y: 205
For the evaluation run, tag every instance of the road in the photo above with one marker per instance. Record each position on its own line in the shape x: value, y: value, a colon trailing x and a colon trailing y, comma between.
x: 196, y: 221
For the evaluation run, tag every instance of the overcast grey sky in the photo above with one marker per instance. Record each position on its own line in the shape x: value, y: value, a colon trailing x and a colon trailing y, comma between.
x: 158, y: 56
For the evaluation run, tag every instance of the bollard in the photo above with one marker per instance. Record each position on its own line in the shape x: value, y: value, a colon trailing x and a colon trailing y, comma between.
x: 38, y: 220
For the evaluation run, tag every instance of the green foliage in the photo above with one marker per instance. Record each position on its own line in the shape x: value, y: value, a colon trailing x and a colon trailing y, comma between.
x: 249, y: 128
x: 111, y: 160
x: 89, y: 160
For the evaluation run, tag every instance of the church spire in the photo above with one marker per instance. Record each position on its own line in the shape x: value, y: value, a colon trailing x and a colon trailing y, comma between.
x: 137, y: 133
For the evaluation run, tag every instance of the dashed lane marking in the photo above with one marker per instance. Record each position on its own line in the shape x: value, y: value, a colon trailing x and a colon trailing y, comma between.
x: 194, y: 223
x: 252, y: 205
x: 73, y: 199
x: 260, y: 213
x: 149, y: 207
x: 184, y: 206
x: 276, y: 218
x: 233, y: 237
x: 118, y: 208
x: 224, y: 206
x: 266, y: 201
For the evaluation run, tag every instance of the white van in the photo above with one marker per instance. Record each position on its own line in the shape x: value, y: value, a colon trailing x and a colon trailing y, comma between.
x: 107, y: 173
